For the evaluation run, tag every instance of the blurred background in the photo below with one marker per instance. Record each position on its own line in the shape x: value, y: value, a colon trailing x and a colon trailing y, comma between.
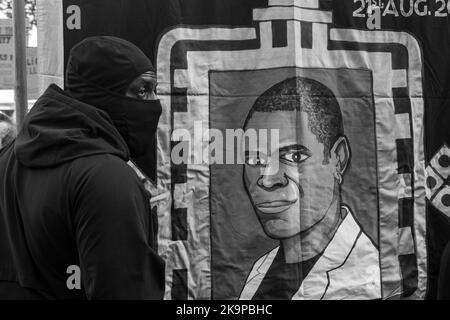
x: 7, y: 55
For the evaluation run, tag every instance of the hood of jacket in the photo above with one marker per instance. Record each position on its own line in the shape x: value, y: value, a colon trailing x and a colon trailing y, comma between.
x: 60, y: 129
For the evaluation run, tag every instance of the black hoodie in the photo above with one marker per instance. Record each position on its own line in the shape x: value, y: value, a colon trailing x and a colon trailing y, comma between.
x: 68, y: 198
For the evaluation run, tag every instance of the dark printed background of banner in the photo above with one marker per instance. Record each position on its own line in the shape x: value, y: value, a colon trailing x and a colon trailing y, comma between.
x: 216, y: 58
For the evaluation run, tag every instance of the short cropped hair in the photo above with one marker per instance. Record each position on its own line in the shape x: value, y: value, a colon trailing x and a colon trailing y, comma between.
x: 309, y: 96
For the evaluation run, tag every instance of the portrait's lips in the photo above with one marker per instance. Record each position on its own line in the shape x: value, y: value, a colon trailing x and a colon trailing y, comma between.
x: 273, y: 207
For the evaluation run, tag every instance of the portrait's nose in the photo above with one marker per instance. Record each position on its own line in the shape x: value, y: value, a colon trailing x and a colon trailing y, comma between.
x: 273, y: 182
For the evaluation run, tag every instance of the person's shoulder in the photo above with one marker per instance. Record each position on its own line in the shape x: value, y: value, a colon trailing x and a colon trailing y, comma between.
x: 104, y: 168
x: 266, y: 258
x: 353, y: 223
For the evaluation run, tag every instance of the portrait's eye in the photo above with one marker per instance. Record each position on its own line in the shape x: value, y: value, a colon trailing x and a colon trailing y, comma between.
x: 295, y: 156
x: 255, y: 160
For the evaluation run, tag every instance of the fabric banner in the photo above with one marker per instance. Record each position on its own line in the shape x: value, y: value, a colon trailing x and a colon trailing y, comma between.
x: 353, y: 199
x: 50, y: 39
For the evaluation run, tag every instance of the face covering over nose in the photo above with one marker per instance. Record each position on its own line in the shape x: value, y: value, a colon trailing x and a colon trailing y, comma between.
x: 99, y: 72
x: 138, y: 128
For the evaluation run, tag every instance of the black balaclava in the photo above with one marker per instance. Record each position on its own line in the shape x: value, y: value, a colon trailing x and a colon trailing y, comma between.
x: 99, y: 72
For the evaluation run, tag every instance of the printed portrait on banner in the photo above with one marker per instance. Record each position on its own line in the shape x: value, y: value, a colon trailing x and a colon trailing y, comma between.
x: 335, y: 209
x: 321, y: 243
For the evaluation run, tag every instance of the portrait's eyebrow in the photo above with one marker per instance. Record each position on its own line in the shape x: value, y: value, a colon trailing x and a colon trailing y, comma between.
x: 296, y: 147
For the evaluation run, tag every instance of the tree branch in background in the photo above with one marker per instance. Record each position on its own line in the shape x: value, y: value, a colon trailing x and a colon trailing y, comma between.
x: 30, y: 6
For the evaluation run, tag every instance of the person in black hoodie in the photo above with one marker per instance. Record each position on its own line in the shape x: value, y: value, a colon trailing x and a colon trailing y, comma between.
x: 68, y: 197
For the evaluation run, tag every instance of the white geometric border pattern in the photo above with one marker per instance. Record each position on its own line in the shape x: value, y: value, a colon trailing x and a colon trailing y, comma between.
x: 192, y: 194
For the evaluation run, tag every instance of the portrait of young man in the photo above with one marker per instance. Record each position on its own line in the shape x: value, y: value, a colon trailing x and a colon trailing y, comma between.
x: 323, y: 251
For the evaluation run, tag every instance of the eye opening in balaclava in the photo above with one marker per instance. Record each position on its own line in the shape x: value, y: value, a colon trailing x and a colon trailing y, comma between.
x: 99, y: 72
x: 107, y: 62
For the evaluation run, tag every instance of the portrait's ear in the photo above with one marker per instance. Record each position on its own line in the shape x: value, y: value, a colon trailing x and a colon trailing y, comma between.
x: 342, y: 155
